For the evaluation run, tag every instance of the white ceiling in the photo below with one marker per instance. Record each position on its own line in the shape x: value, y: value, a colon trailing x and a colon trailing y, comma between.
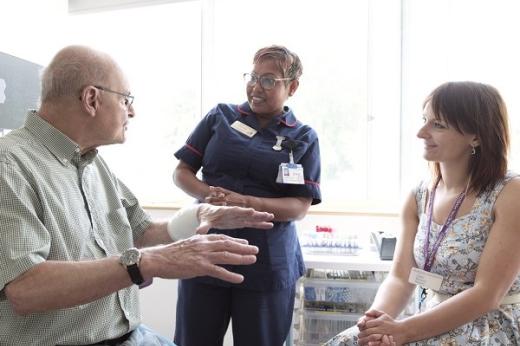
x: 82, y: 6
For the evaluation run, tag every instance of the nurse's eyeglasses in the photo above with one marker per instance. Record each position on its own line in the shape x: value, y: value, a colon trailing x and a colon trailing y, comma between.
x: 266, y: 82
x: 128, y: 99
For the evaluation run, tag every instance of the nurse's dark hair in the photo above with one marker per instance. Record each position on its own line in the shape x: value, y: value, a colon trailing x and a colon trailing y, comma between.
x: 288, y: 62
x: 475, y: 108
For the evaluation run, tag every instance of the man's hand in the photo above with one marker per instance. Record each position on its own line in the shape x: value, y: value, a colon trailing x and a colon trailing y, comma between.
x: 198, y: 256
x: 222, y: 217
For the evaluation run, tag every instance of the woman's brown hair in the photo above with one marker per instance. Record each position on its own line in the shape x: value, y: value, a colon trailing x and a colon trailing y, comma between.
x: 475, y: 108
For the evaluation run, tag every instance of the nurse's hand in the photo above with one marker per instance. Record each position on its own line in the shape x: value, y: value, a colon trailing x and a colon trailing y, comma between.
x: 223, y: 217
x: 222, y: 196
x: 215, y: 197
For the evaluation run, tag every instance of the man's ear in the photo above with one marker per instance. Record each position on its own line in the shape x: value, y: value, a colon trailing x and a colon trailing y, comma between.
x: 293, y: 86
x: 89, y: 100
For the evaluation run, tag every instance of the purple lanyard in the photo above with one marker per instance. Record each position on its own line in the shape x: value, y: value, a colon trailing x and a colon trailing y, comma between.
x: 429, y: 257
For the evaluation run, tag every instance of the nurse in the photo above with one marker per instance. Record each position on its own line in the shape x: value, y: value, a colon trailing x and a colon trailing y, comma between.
x: 255, y: 155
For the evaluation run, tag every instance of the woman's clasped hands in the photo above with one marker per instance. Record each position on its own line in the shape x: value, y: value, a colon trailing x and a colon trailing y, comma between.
x: 377, y: 328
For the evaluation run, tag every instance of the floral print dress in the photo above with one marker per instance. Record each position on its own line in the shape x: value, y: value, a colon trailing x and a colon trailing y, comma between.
x: 457, y: 261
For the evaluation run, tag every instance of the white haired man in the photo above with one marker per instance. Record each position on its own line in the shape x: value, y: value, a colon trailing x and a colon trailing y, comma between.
x: 74, y: 242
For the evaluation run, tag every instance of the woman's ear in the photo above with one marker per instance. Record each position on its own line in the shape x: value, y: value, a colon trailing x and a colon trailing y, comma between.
x: 475, y: 142
x: 89, y: 100
x: 293, y: 86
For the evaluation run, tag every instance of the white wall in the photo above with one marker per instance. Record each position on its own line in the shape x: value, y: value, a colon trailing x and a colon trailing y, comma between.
x: 158, y: 303
x: 159, y: 300
x: 28, y: 25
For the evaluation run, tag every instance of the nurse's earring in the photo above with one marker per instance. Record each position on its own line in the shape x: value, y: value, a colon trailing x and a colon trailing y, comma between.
x: 473, y: 151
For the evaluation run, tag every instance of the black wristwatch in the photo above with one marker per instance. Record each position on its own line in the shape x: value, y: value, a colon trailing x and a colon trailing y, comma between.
x: 130, y: 259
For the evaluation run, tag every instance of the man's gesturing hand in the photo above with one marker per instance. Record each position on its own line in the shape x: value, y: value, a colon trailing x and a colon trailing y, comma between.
x: 198, y: 256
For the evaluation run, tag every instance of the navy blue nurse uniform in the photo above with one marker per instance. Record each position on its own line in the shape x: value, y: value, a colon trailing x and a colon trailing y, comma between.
x: 261, y: 306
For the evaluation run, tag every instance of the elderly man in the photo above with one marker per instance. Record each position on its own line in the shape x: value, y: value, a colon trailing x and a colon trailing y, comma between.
x: 74, y: 242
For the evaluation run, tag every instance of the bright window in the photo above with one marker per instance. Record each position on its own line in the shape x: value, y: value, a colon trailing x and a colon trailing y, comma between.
x: 159, y: 49
x: 368, y: 65
x: 177, y: 62
x: 344, y: 78
x: 457, y: 40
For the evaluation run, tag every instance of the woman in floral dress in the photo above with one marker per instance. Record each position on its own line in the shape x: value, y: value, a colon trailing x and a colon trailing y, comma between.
x: 460, y: 240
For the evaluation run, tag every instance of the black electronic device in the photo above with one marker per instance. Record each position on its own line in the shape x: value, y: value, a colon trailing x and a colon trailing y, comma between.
x: 385, y: 243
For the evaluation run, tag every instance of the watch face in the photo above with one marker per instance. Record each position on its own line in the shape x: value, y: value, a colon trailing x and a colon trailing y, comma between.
x: 130, y: 257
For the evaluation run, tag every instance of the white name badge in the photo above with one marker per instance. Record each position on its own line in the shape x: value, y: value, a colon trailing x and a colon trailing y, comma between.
x: 290, y: 173
x: 244, y: 129
x: 425, y: 279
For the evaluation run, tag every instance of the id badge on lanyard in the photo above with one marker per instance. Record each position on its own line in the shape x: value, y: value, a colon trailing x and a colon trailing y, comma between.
x: 423, y: 277
x: 289, y: 173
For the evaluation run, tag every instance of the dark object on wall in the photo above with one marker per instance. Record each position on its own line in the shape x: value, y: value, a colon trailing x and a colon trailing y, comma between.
x: 19, y: 90
x: 385, y: 244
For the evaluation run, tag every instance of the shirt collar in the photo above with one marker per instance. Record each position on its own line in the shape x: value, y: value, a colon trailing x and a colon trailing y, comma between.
x: 61, y: 146
x: 287, y: 118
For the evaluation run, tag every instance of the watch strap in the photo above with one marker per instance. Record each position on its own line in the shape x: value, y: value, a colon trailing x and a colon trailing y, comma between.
x: 135, y: 274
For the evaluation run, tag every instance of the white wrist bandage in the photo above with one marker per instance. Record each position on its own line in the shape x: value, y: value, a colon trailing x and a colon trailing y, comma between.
x: 184, y: 223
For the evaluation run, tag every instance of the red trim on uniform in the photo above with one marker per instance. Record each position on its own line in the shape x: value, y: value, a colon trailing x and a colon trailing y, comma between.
x: 312, y: 182
x: 193, y: 149
x: 242, y: 112
x: 286, y: 124
x: 281, y: 121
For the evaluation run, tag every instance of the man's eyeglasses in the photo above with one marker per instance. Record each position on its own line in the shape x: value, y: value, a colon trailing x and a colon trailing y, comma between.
x: 266, y: 82
x: 129, y: 99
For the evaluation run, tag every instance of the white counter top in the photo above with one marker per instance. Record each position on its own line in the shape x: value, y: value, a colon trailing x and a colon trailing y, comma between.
x: 366, y: 260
